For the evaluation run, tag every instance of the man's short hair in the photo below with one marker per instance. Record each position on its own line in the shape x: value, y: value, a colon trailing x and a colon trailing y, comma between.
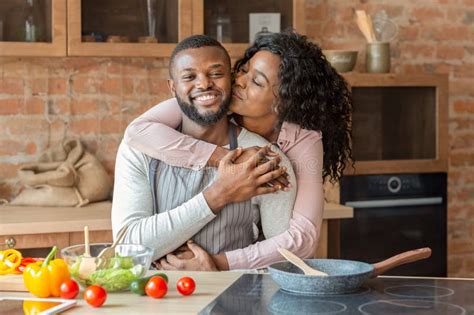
x: 195, y: 41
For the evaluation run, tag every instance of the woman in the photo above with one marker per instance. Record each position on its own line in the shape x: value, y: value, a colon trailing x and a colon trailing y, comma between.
x: 286, y: 91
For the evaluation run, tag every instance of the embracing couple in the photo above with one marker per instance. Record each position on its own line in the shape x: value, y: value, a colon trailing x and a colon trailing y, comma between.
x: 203, y: 188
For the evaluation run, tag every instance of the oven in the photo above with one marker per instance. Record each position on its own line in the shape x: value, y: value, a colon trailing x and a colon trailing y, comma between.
x: 394, y: 213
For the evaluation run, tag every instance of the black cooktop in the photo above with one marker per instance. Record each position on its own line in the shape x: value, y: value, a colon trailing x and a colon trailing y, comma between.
x: 259, y: 294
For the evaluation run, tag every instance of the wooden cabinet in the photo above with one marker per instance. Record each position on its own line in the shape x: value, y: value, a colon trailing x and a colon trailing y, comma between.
x: 33, y: 28
x: 399, y: 123
x: 34, y: 230
x: 117, y: 27
x: 228, y: 20
x: 38, y: 245
x: 132, y: 28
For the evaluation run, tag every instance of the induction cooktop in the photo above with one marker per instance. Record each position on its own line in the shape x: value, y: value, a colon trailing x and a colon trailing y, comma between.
x: 259, y: 294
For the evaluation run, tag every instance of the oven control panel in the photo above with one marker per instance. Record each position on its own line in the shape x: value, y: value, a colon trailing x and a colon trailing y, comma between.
x: 394, y: 184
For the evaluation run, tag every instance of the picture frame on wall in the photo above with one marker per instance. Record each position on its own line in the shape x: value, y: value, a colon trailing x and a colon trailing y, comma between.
x: 263, y: 23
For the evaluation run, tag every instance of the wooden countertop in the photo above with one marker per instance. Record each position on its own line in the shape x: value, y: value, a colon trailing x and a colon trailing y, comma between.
x: 38, y: 220
x: 208, y: 286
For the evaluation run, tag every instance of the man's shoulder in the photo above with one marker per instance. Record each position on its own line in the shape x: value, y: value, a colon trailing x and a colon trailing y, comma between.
x: 128, y: 152
x: 248, y: 138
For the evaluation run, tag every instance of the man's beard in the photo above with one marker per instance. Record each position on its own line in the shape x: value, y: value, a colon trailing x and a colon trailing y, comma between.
x: 207, y: 119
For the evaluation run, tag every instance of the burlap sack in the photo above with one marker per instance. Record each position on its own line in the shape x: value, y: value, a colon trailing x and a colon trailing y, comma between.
x: 66, y: 175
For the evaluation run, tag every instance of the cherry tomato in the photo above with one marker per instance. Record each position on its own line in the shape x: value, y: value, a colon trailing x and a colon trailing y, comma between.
x: 186, y: 286
x: 95, y: 295
x: 69, y: 289
x: 156, y: 287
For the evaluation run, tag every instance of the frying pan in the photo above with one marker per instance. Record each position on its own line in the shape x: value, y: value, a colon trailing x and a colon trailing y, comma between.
x: 344, y: 276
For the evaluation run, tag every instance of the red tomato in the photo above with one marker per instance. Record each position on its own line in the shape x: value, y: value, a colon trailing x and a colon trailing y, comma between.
x: 186, y: 286
x: 156, y: 287
x: 95, y: 295
x: 69, y: 289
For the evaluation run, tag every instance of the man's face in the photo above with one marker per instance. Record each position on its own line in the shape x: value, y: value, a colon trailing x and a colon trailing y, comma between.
x: 202, y: 83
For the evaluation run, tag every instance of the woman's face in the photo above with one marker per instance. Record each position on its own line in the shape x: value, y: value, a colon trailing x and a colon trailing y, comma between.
x: 255, y: 90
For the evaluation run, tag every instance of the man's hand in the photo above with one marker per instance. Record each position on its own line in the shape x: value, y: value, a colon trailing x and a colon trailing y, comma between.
x: 239, y: 182
x: 182, y: 260
x: 249, y: 152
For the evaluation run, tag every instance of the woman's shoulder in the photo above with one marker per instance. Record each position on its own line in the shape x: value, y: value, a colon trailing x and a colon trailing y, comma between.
x: 294, y: 134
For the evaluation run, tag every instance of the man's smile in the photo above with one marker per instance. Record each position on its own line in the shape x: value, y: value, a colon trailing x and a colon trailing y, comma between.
x: 206, y: 98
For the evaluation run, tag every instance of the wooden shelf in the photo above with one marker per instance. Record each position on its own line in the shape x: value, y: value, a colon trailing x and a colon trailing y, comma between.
x: 439, y: 163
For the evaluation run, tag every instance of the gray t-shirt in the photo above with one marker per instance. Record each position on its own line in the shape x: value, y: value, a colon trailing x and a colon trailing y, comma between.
x: 166, y: 231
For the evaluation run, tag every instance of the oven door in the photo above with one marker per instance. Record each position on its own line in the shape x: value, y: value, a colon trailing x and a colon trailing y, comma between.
x: 383, y: 228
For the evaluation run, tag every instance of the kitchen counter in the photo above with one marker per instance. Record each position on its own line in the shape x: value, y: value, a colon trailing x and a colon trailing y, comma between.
x: 38, y: 220
x: 43, y: 227
x: 208, y: 286
x: 258, y: 294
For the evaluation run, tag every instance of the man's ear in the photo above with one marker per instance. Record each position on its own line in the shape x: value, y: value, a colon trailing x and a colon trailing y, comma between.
x: 171, y: 87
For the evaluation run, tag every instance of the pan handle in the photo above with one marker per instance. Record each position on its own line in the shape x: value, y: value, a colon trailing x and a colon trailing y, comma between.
x: 401, y: 259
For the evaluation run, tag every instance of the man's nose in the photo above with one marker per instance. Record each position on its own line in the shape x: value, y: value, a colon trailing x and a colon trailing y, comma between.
x: 204, y: 82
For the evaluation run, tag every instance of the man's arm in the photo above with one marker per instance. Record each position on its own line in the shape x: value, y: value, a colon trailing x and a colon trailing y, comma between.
x: 133, y: 206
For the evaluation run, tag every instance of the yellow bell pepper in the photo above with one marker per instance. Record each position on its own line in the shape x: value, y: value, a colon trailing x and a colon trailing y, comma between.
x: 44, y: 278
x: 9, y: 260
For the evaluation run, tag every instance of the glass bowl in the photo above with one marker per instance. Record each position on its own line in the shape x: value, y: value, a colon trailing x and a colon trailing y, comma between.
x: 130, y: 262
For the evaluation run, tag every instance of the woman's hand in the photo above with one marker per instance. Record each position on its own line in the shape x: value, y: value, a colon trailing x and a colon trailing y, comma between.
x: 242, y: 181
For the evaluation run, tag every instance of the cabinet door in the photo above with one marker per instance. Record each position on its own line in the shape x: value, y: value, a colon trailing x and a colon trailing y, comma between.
x: 141, y: 28
x: 33, y: 28
x: 35, y: 245
x: 235, y: 23
x: 77, y: 238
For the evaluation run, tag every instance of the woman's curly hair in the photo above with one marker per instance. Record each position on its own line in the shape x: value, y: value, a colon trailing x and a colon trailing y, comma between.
x: 311, y: 94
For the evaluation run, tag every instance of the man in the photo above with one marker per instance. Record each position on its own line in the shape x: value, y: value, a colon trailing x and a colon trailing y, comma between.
x: 164, y: 206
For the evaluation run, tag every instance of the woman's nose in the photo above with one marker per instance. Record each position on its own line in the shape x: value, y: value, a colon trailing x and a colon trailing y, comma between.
x: 240, y: 80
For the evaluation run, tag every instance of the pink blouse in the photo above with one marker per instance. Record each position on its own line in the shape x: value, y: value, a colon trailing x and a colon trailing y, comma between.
x: 151, y: 134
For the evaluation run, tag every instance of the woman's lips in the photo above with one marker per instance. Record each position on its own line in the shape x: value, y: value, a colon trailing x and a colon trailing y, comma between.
x: 237, y: 96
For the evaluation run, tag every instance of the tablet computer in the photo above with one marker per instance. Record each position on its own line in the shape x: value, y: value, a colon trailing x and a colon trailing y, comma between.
x: 27, y: 305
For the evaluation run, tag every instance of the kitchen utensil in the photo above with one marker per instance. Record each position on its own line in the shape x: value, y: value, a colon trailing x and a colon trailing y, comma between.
x: 344, y: 276
x: 365, y: 26
x: 88, y: 264
x: 341, y: 60
x: 384, y: 28
x: 377, y: 57
x: 298, y: 262
x: 109, y: 252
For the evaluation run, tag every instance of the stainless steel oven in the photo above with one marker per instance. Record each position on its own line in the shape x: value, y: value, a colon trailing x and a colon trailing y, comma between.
x: 396, y: 213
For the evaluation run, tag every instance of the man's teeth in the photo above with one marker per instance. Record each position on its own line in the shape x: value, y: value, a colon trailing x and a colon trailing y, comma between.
x: 205, y: 97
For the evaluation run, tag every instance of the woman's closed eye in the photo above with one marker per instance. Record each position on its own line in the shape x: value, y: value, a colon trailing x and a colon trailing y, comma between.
x: 254, y: 81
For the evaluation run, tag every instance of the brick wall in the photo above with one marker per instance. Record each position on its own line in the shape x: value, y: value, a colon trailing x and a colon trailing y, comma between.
x: 42, y: 100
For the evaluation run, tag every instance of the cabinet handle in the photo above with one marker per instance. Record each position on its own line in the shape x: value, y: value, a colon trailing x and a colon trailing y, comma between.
x: 10, y: 242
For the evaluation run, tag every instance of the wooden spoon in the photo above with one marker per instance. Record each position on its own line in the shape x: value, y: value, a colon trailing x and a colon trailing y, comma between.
x: 109, y: 252
x: 298, y: 262
x: 88, y: 264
